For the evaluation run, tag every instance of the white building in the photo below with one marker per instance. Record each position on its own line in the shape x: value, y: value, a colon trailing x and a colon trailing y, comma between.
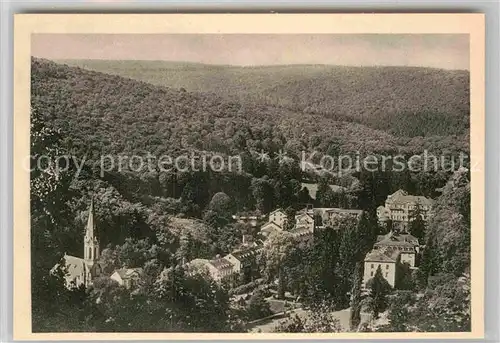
x: 400, y: 205
x: 127, y: 277
x: 278, y: 217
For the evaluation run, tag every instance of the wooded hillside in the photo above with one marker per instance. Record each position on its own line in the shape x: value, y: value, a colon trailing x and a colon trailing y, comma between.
x: 405, y: 101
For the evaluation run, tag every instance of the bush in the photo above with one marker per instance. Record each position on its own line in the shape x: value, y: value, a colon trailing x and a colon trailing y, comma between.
x: 246, y: 287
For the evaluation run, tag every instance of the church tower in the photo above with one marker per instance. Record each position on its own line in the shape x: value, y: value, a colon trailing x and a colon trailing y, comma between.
x: 91, y: 252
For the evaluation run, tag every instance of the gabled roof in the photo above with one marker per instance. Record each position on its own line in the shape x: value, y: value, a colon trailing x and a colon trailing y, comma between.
x: 302, y: 215
x: 395, y: 239
x: 402, y: 197
x: 344, y: 211
x: 301, y: 231
x: 245, y: 254
x: 270, y: 224
x: 196, y: 263
x: 312, y: 188
x: 379, y: 256
x: 127, y: 273
x: 277, y: 210
x: 221, y: 263
x: 75, y: 266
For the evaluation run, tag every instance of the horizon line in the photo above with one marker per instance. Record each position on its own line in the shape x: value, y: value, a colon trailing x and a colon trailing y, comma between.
x: 252, y: 65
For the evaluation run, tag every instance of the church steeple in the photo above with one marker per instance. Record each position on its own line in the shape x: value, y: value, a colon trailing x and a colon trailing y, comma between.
x: 91, y: 249
x: 90, y: 230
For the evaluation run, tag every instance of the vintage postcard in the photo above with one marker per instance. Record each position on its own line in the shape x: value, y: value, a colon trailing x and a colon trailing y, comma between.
x: 227, y: 176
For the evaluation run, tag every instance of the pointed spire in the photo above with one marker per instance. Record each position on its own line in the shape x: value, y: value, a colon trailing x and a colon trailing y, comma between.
x: 90, y: 230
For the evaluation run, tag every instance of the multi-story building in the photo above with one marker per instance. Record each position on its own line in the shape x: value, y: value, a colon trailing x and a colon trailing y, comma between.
x: 387, y: 252
x: 383, y: 259
x: 400, y: 206
x: 220, y: 268
x: 278, y: 217
x: 244, y: 262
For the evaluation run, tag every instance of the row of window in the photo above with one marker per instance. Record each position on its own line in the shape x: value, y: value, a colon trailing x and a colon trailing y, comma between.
x: 373, y: 266
x: 396, y: 248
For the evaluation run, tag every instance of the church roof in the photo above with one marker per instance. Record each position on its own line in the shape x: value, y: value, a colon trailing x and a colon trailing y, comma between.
x: 74, y: 267
x: 90, y: 230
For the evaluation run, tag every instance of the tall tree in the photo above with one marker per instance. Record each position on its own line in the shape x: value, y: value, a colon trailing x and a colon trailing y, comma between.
x: 276, y: 253
x: 355, y: 315
x: 417, y: 224
x: 379, y: 289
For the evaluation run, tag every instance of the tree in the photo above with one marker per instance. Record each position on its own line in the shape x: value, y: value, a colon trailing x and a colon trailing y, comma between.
x: 417, y: 224
x: 379, y: 289
x: 350, y: 252
x: 257, y: 307
x: 186, y: 247
x: 404, y: 277
x: 318, y: 320
x: 290, y: 218
x: 276, y: 252
x: 221, y: 204
x: 355, y: 316
x: 325, y: 197
x: 400, y: 317
x: 262, y: 192
x: 54, y: 307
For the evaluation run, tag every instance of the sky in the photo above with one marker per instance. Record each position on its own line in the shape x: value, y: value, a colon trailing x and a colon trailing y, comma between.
x: 449, y: 51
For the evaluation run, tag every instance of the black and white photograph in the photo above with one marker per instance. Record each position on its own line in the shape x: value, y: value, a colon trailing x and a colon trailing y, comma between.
x: 250, y: 183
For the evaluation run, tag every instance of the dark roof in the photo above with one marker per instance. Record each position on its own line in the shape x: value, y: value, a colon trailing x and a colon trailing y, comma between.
x: 394, y: 239
x: 402, y: 197
x: 345, y: 210
x: 312, y: 188
x: 221, y: 263
x: 301, y: 231
x: 270, y: 224
x: 245, y: 254
x: 379, y: 256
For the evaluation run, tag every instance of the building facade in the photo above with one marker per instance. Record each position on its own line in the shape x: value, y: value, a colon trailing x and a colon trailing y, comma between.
x: 278, y: 217
x: 386, y: 262
x: 127, y: 277
x: 400, y: 208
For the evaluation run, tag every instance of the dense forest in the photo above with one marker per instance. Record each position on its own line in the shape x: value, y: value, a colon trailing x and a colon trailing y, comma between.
x: 155, y: 219
x: 404, y: 101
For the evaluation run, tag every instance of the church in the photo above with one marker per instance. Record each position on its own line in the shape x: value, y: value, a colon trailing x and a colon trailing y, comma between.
x: 82, y: 271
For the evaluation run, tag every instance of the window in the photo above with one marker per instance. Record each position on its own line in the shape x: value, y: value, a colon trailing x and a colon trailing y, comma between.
x: 371, y: 274
x: 386, y: 266
x: 372, y: 266
x: 386, y: 274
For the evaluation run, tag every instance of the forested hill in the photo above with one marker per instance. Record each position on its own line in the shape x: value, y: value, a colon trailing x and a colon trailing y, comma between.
x: 405, y: 101
x: 112, y: 114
